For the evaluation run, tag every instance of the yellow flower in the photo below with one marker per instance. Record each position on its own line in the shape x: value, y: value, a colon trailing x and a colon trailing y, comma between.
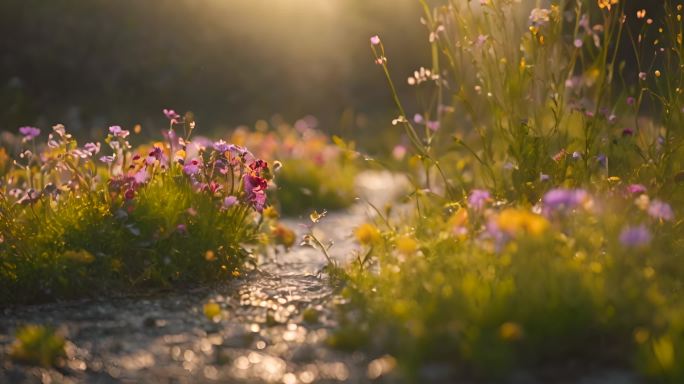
x: 406, y: 245
x: 510, y: 331
x: 212, y: 310
x: 606, y: 3
x: 367, y: 234
x: 514, y: 221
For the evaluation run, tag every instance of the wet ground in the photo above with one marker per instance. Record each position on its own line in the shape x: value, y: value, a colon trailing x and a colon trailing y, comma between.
x: 273, y: 326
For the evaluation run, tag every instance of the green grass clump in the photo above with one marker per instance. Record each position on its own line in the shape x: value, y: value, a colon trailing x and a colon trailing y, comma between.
x: 38, y: 345
x: 304, y: 186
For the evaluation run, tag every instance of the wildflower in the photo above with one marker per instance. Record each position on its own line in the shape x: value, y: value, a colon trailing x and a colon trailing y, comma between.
x: 478, y: 198
x: 30, y: 197
x: 221, y: 146
x: 539, y: 16
x: 634, y: 237
x: 141, y: 176
x: 418, y: 118
x: 93, y: 148
x: 192, y: 168
x: 182, y: 229
x: 510, y: 331
x: 432, y: 125
x: 375, y: 40
x: 602, y: 160
x: 576, y: 155
x: 367, y: 234
x: 29, y: 133
x: 156, y: 154
x: 284, y: 236
x: 544, y: 177
x: 636, y: 189
x: 630, y: 100
x: 559, y: 199
x: 255, y: 187
x: 399, y: 152
x: 406, y: 245
x: 171, y: 115
x: 606, y: 3
x: 660, y: 210
x: 129, y: 194
x: 627, y: 132
x: 641, y: 14
x: 116, y: 131
x: 578, y: 43
x: 107, y: 159
x: 642, y: 76
x: 514, y: 221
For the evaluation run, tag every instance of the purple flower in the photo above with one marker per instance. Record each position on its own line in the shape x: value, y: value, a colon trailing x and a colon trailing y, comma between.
x: 182, y: 229
x: 627, y: 132
x: 118, y: 132
x: 192, y: 168
x: 630, y: 100
x: 171, y: 115
x: 93, y: 148
x: 221, y: 146
x: 636, y: 189
x: 561, y: 199
x: 544, y: 177
x: 29, y: 133
x: 577, y: 155
x: 229, y: 201
x: 602, y: 160
x: 634, y: 237
x: 418, y: 118
x: 478, y: 198
x: 660, y: 210
x: 107, y: 159
x: 375, y: 40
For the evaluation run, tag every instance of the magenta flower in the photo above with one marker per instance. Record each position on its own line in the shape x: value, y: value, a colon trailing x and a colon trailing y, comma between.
x: 636, y: 189
x: 432, y: 125
x: 116, y: 131
x: 192, y: 168
x: 375, y: 40
x: 141, y: 176
x: 171, y: 115
x: 631, y: 100
x: 255, y: 187
x: 478, y: 198
x: 660, y: 210
x: 29, y: 133
x: 634, y: 237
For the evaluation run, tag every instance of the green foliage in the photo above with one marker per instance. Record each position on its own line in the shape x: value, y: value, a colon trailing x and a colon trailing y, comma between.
x: 38, y: 345
x: 304, y: 185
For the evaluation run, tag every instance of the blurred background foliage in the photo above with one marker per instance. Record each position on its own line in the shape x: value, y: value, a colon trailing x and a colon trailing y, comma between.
x: 93, y: 63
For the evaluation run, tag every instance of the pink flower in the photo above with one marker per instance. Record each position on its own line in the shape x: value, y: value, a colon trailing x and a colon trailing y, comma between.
x: 375, y: 40
x: 116, y: 131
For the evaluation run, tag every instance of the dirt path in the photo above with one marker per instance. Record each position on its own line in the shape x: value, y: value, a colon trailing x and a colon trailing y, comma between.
x: 262, y: 336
